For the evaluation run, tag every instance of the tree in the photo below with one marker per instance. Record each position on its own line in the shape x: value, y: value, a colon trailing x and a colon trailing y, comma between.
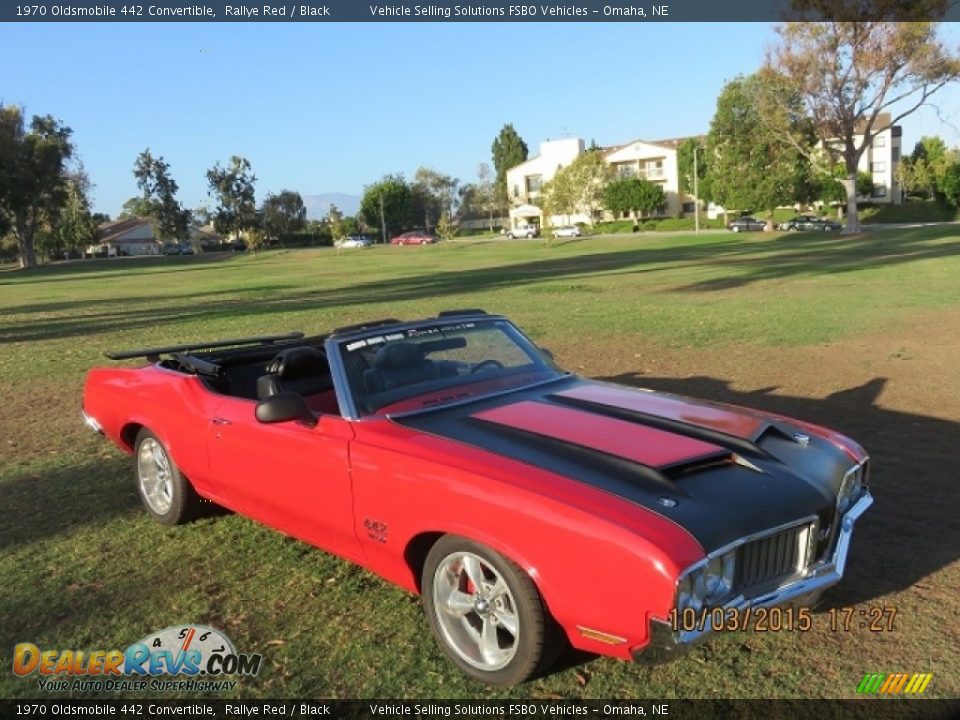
x: 76, y: 226
x: 950, y: 184
x: 559, y: 196
x: 33, y: 177
x: 485, y: 196
x: 509, y: 150
x: 753, y: 146
x: 283, y: 214
x: 135, y: 207
x: 446, y: 227
x: 158, y: 191
x: 847, y: 73
x: 435, y: 194
x: 335, y: 222
x: 633, y: 195
x: 685, y: 166
x: 828, y: 187
x: 386, y: 204
x: 233, y: 188
x: 590, y: 174
x: 923, y: 172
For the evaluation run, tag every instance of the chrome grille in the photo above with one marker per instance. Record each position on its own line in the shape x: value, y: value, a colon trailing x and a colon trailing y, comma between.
x: 775, y: 556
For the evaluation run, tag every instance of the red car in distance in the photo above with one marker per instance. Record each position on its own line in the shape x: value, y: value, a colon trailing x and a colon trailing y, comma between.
x: 530, y: 507
x: 414, y: 237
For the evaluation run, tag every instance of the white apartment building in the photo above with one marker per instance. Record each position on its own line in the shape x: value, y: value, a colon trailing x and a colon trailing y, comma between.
x: 882, y: 159
x: 526, y: 180
x: 655, y: 161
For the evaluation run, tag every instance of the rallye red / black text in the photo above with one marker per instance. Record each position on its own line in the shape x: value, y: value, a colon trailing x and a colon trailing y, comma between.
x: 530, y: 507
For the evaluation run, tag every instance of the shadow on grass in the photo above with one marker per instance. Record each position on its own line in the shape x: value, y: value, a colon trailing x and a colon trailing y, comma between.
x: 48, y: 503
x: 912, y: 529
x: 741, y: 262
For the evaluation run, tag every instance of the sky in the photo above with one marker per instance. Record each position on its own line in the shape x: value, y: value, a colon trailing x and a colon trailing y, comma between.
x: 322, y: 108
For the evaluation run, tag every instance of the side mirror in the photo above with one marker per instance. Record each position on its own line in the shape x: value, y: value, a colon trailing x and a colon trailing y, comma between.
x: 284, y: 407
x: 546, y: 352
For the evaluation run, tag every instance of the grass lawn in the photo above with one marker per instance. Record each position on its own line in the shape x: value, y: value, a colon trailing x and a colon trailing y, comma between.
x: 858, y: 333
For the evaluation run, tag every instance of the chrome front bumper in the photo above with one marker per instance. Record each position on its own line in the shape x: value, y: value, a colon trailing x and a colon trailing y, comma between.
x: 665, y: 643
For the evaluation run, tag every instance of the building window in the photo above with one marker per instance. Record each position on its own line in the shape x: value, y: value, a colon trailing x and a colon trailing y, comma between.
x: 878, y: 167
x: 516, y: 191
x: 626, y: 170
x: 879, y: 191
x: 880, y: 141
x: 534, y: 183
x: 895, y: 153
x: 689, y: 207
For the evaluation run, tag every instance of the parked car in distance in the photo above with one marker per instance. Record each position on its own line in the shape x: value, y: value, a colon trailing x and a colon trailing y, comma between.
x: 809, y: 222
x: 414, y: 237
x: 529, y: 506
x: 746, y: 224
x: 568, y: 231
x: 354, y: 241
x: 527, y: 231
x: 178, y: 249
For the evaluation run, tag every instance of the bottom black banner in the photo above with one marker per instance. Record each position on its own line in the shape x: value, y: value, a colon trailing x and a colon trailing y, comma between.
x: 529, y: 709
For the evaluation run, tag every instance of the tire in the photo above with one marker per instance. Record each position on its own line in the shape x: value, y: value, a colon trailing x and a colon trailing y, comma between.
x: 529, y: 236
x: 736, y: 228
x: 509, y: 236
x: 166, y: 494
x: 500, y: 634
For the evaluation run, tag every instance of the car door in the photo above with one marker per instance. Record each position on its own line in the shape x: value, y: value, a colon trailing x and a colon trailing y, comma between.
x: 287, y: 475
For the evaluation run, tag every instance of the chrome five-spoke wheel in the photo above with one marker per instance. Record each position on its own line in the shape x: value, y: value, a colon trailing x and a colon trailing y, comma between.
x: 166, y: 494
x: 476, y: 611
x: 155, y: 475
x: 486, y: 613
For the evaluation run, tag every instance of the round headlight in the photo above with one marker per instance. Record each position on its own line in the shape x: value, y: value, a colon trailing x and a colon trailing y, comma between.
x: 847, y: 491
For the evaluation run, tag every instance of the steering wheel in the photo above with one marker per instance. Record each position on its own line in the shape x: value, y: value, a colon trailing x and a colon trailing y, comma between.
x: 486, y: 363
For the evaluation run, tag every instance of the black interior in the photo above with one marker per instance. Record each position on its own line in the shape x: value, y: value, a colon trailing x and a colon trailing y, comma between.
x: 255, y: 373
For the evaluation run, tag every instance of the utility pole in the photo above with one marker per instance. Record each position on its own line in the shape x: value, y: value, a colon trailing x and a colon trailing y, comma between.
x: 696, y: 195
x: 383, y: 223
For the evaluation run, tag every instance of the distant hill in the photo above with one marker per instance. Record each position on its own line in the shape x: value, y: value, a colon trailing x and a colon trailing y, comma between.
x: 319, y: 205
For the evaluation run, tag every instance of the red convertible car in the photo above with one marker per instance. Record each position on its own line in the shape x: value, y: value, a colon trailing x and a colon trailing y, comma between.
x: 414, y: 237
x: 530, y: 507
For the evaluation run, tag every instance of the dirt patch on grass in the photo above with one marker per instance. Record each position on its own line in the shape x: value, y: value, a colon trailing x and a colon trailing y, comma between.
x: 898, y: 394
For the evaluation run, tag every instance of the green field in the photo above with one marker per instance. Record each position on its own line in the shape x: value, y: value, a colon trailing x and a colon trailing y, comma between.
x: 860, y: 333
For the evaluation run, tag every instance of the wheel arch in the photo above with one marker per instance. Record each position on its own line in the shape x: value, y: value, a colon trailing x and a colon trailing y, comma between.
x: 418, y: 547
x: 128, y: 435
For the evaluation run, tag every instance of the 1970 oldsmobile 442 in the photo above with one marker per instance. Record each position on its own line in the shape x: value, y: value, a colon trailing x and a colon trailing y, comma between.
x: 529, y: 506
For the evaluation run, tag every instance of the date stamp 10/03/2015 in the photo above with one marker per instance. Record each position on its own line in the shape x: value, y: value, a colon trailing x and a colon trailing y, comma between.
x: 783, y: 619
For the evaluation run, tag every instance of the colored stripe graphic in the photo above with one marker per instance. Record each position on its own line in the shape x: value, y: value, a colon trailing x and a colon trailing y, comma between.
x: 894, y: 683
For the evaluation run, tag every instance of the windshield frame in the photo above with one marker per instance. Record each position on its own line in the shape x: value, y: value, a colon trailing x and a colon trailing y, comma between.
x: 336, y: 343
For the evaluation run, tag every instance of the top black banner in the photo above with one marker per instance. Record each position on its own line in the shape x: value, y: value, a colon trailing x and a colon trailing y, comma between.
x: 332, y: 11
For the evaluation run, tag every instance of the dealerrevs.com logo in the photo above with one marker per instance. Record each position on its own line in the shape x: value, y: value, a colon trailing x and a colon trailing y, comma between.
x: 200, y: 658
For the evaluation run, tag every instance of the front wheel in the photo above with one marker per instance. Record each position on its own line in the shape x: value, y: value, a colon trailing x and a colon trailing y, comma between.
x: 166, y: 494
x: 486, y: 613
x: 736, y: 228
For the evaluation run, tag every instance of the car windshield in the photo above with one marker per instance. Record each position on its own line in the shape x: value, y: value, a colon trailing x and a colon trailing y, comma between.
x: 438, y: 363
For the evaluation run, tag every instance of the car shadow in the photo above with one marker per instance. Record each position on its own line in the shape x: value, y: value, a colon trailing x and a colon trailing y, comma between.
x: 912, y: 530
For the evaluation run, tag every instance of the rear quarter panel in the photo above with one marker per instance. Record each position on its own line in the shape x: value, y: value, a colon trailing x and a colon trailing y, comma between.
x: 175, y: 407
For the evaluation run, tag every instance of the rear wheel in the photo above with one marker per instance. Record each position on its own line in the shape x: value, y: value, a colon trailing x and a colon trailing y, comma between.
x: 167, y: 495
x: 486, y: 613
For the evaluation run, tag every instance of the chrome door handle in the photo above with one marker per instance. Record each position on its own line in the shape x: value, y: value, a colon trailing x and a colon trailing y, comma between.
x: 221, y: 421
